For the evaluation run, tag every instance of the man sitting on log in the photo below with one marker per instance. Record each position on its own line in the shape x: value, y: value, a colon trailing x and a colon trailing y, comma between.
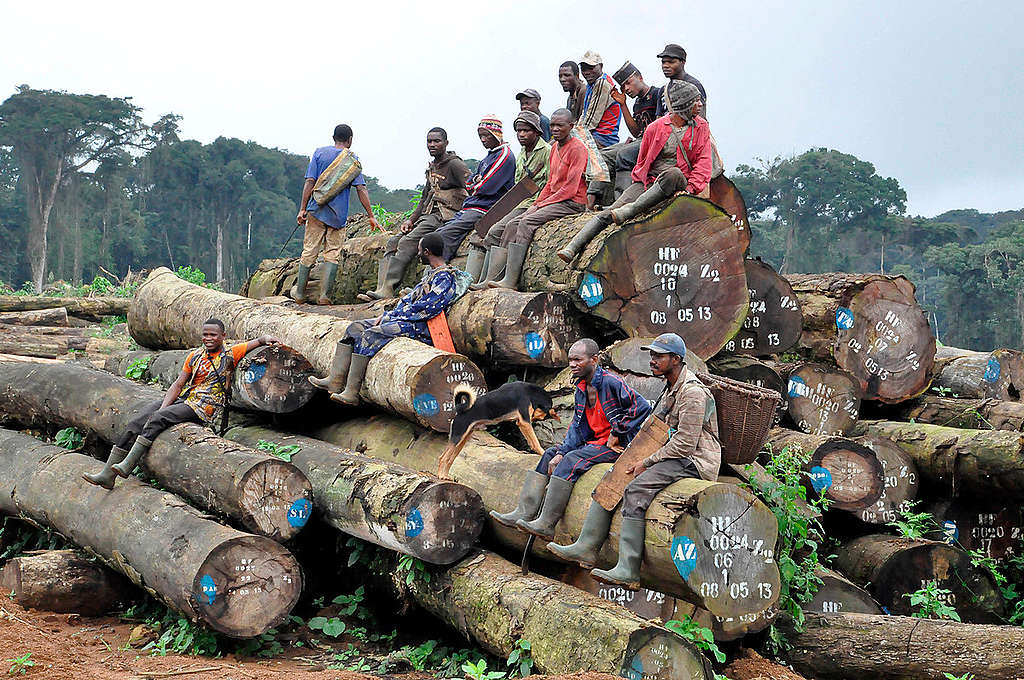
x: 205, y: 376
x: 564, y: 194
x: 442, y: 199
x: 673, y: 67
x: 529, y: 100
x: 441, y: 286
x: 608, y: 414
x: 693, y: 450
x: 569, y: 79
x: 675, y: 158
x: 532, y: 162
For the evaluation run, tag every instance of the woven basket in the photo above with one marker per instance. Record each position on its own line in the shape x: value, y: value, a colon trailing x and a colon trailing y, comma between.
x: 745, y: 414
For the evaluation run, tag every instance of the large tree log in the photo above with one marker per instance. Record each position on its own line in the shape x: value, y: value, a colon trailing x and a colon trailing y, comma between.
x: 90, y: 308
x: 845, y: 472
x: 857, y: 646
x: 968, y: 414
x: 58, y: 316
x: 978, y: 375
x: 42, y: 341
x: 892, y: 567
x: 237, y: 583
x: 491, y: 602
x: 264, y: 494
x: 63, y: 581
x: 383, y: 503
x: 706, y: 526
x: 839, y: 595
x: 980, y: 461
x: 993, y: 526
x: 626, y: 359
x: 725, y: 195
x: 871, y: 326
x: 407, y: 377
x: 822, y: 399
x: 774, y: 321
x: 901, y: 482
x: 271, y: 378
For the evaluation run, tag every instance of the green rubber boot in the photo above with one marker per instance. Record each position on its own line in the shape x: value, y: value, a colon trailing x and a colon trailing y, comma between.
x: 626, y: 572
x: 592, y: 228
x: 354, y: 380
x: 106, y: 476
x: 330, y: 271
x: 595, y: 530
x: 335, y: 381
x: 530, y: 498
x: 475, y: 263
x: 513, y: 266
x: 299, y: 289
x: 394, y: 269
x: 497, y: 256
x: 645, y: 201
x: 140, y: 447
x: 555, y: 500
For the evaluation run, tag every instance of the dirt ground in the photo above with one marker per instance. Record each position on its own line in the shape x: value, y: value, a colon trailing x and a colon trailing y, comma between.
x: 752, y: 666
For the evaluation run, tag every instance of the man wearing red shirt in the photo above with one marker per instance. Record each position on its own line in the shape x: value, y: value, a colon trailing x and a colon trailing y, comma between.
x: 675, y: 158
x: 564, y: 194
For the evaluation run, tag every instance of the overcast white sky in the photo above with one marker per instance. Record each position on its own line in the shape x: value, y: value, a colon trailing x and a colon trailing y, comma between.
x: 932, y: 92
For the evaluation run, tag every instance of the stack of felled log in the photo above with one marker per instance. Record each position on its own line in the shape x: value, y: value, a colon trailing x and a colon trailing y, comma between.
x: 47, y: 328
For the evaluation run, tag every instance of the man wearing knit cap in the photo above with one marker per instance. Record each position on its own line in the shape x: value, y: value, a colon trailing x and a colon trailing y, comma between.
x: 675, y: 156
x: 532, y: 162
x: 529, y: 100
x: 673, y: 66
x: 494, y: 176
x: 600, y: 112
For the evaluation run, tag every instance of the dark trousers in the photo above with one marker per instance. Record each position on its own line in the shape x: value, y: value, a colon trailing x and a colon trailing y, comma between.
x: 405, y: 246
x: 456, y: 229
x: 639, y: 494
x: 575, y: 463
x: 152, y: 420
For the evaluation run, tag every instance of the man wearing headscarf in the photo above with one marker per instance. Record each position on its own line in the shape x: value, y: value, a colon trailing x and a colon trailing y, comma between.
x: 675, y: 157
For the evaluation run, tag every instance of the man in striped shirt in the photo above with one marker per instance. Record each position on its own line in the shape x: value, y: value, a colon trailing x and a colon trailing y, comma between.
x: 600, y: 112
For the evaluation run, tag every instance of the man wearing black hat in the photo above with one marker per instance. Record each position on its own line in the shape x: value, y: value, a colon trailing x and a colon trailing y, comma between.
x: 529, y: 100
x: 693, y: 450
x: 673, y: 65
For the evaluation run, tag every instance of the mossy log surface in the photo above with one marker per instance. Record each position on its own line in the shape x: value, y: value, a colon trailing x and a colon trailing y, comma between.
x: 85, y: 307
x: 968, y: 414
x: 236, y: 583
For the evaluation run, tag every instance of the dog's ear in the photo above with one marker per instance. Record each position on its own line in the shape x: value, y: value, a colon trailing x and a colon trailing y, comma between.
x: 554, y: 414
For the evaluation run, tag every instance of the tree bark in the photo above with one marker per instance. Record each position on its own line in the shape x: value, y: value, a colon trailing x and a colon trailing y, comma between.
x: 406, y: 377
x: 857, y: 646
x: 992, y: 525
x: 58, y: 316
x: 839, y: 595
x: 41, y: 341
x: 901, y: 482
x: 980, y: 461
x: 264, y: 494
x: 89, y: 308
x: 63, y: 581
x: 892, y: 567
x: 383, y: 503
x: 717, y: 519
x: 871, y: 326
x: 491, y: 602
x: 997, y: 374
x: 774, y: 321
x: 271, y: 378
x: 724, y: 194
x: 821, y: 399
x: 968, y: 414
x: 238, y: 584
x: 847, y: 473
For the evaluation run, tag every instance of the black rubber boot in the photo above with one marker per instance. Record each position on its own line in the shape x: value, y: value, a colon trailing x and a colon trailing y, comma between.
x: 106, y: 476
x: 555, y: 500
x: 592, y: 228
x: 645, y: 201
x: 335, y: 381
x: 330, y: 271
x: 595, y: 530
x: 626, y: 572
x: 530, y: 498
x: 513, y: 267
x: 354, y: 380
x: 140, y: 447
x: 299, y: 289
x: 496, y: 258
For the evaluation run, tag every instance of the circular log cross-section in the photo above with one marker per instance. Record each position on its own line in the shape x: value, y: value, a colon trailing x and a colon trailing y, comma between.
x: 871, y: 326
x: 998, y: 374
x: 893, y: 567
x: 774, y: 321
x: 848, y: 474
x: 901, y: 482
x: 274, y: 379
x: 995, y: 528
x: 725, y: 195
x: 839, y: 595
x: 723, y: 628
x: 823, y: 399
x: 679, y: 269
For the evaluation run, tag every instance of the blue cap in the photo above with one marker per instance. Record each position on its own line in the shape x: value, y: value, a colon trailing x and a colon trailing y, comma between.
x: 668, y: 343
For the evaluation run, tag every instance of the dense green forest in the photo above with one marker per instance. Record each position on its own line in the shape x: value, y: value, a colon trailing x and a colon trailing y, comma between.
x: 86, y: 186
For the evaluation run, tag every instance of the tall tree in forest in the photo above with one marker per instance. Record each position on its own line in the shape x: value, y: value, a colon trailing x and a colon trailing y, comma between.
x: 53, y: 134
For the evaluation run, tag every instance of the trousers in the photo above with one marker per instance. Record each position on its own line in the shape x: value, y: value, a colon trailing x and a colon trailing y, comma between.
x: 575, y: 463
x: 153, y: 420
x: 639, y: 494
x: 522, y: 228
x: 456, y: 229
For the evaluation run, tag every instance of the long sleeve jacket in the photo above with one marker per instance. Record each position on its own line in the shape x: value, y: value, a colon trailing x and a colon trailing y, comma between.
x: 623, y: 407
x: 696, y: 143
x: 494, y: 176
x: 445, y: 188
x: 688, y: 409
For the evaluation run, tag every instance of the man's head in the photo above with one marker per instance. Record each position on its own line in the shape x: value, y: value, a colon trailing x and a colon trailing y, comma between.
x: 561, y: 124
x: 343, y: 134
x: 437, y: 142
x: 681, y: 98
x: 569, y: 76
x: 431, y: 245
x: 590, y: 66
x: 489, y: 131
x: 529, y: 100
x: 629, y: 79
x: 213, y: 334
x: 668, y: 354
x: 527, y: 127
x: 673, y: 61
x: 583, y: 358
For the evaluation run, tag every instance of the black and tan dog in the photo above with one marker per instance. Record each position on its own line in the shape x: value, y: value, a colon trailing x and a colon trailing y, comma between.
x: 522, y: 402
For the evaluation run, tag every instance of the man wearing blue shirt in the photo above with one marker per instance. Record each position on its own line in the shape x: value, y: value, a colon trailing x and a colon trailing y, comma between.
x: 325, y: 224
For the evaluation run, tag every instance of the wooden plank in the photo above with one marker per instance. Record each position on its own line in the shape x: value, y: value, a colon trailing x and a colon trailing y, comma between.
x: 519, y: 192
x: 651, y: 437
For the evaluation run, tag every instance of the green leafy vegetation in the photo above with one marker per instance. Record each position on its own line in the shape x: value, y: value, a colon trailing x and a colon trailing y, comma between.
x: 520, y: 660
x: 18, y: 537
x: 700, y: 636
x: 137, y: 368
x: 932, y: 602
x: 69, y: 438
x: 478, y: 671
x: 282, y: 451
x: 410, y: 568
x: 20, y: 664
x: 911, y: 524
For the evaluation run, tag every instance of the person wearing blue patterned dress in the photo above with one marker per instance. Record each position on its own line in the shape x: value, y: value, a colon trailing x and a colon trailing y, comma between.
x: 441, y: 286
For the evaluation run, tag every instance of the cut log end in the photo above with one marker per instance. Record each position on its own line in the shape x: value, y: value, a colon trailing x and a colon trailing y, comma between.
x: 542, y: 334
x: 442, y: 522
x: 838, y: 595
x: 774, y: 321
x: 432, y: 389
x: 63, y: 581
x: 823, y: 400
x: 277, y: 498
x: 657, y: 654
x: 274, y: 379
x: 901, y: 481
x: 725, y: 195
x: 848, y: 473
x: 233, y: 586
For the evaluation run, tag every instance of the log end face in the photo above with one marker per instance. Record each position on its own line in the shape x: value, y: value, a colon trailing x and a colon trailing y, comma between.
x: 542, y: 334
x: 443, y: 522
x: 274, y: 379
x: 432, y: 389
x: 277, y: 499
x: 848, y: 473
x: 656, y: 654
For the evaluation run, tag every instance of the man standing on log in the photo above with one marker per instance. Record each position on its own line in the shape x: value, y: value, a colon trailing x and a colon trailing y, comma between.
x: 443, y: 195
x: 205, y: 377
x: 675, y: 158
x: 693, y: 450
x: 325, y: 224
x: 569, y: 79
x: 600, y: 113
x: 441, y: 286
x: 533, y: 162
x: 529, y: 100
x: 608, y: 415
x: 673, y: 66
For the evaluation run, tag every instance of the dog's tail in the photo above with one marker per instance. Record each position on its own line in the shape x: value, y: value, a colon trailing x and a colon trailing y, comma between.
x: 464, y: 396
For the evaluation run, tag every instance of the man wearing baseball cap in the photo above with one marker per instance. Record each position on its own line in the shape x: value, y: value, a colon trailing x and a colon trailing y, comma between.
x: 673, y: 66
x: 529, y: 100
x: 600, y: 112
x: 693, y: 450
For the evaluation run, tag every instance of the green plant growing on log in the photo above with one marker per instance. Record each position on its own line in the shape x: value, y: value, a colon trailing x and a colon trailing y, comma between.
x: 965, y: 676
x: 520, y: 661
x: 410, y: 568
x: 137, y: 368
x: 701, y: 637
x: 282, y: 451
x: 69, y: 438
x: 931, y: 601
x: 912, y: 524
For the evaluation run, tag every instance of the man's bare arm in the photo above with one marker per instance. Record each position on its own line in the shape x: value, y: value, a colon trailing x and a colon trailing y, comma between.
x: 364, y: 199
x: 307, y: 192
x: 174, y: 391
